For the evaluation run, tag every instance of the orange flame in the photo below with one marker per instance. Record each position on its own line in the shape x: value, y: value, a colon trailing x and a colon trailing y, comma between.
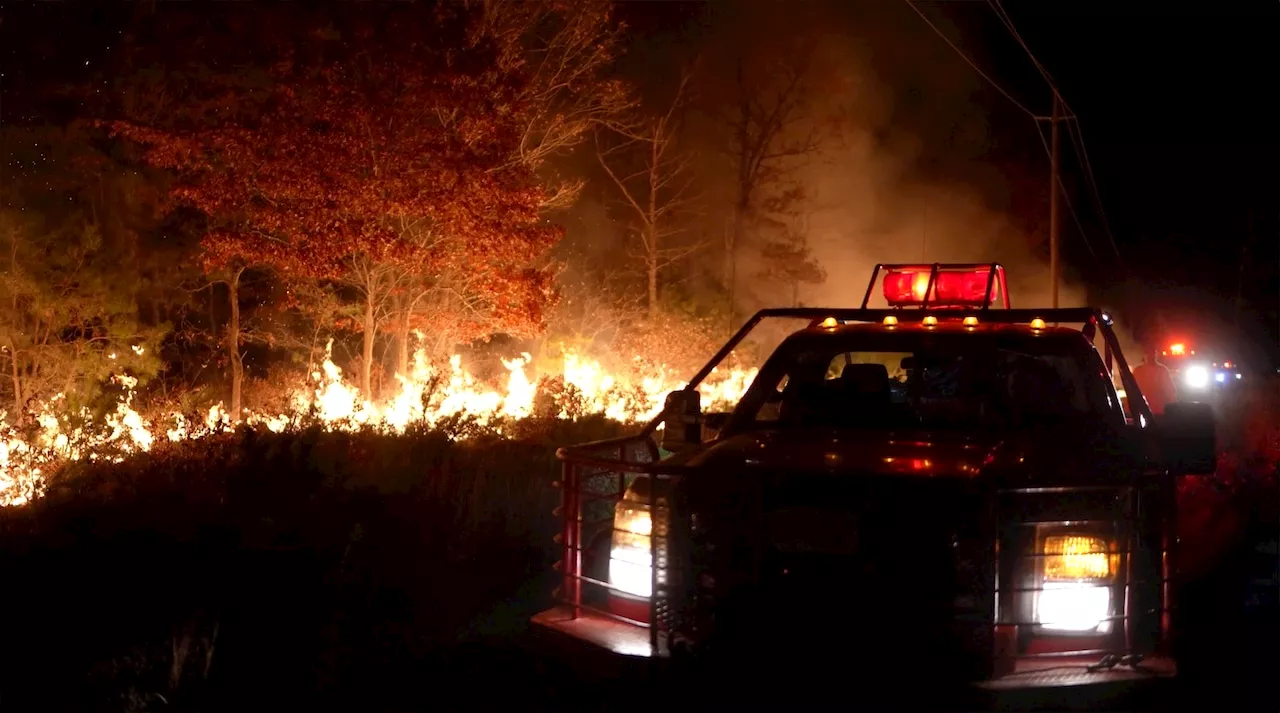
x: 427, y: 395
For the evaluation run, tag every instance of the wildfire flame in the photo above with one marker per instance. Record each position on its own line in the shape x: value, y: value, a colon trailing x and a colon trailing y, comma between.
x: 427, y: 395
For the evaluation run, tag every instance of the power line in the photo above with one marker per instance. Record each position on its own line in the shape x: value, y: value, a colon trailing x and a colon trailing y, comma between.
x: 1039, y: 134
x: 1008, y: 23
x: 1077, y: 136
x: 968, y: 61
x: 1077, y: 142
x: 1067, y: 197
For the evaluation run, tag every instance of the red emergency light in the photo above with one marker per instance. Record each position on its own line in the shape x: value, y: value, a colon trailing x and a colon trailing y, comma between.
x: 965, y: 288
x: 906, y: 287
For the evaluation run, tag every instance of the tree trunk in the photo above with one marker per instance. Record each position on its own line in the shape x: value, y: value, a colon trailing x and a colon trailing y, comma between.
x: 18, y: 411
x: 651, y: 225
x: 233, y: 345
x: 402, y: 346
x: 735, y: 240
x: 402, y: 337
x: 366, y: 369
x: 652, y: 269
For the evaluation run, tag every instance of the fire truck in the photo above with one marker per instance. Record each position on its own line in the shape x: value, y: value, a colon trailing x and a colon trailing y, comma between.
x: 946, y: 489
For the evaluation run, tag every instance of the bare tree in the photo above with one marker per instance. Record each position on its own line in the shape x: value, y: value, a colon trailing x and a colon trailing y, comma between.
x: 788, y: 261
x: 567, y: 48
x: 770, y: 131
x: 658, y: 191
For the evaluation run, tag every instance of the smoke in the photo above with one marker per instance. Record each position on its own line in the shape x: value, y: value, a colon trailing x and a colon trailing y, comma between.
x: 906, y: 175
x: 911, y: 166
x: 910, y: 172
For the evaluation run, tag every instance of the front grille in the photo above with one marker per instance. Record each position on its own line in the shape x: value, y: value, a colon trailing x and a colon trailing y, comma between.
x: 785, y: 572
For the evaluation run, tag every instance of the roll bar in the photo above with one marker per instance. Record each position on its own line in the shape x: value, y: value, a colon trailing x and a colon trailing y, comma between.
x: 1093, y: 320
x: 994, y: 271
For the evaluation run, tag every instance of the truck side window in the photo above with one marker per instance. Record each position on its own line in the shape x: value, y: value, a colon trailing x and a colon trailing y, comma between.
x: 769, y: 412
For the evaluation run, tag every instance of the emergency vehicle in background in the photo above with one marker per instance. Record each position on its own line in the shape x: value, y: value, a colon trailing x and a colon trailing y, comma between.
x: 947, y: 486
x: 1200, y: 376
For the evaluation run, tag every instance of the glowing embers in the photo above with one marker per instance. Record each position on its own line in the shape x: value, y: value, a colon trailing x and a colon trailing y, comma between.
x: 1076, y: 576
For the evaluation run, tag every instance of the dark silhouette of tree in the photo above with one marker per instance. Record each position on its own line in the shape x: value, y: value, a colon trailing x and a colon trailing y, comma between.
x: 770, y: 130
x: 653, y: 174
x: 788, y: 261
x: 68, y: 286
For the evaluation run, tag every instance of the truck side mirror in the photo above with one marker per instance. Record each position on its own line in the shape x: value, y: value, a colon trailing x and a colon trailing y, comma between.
x: 1189, y: 439
x: 682, y: 420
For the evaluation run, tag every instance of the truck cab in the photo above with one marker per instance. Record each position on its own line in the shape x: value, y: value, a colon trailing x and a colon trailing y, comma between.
x: 946, y: 481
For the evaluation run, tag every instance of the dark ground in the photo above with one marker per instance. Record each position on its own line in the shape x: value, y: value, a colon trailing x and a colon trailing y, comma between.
x: 262, y: 574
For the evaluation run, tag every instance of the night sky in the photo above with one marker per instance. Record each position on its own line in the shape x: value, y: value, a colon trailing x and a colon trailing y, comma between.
x: 1176, y: 108
x: 1173, y: 102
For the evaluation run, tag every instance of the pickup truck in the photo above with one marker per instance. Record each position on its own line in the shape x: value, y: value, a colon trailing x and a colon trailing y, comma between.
x: 946, y: 490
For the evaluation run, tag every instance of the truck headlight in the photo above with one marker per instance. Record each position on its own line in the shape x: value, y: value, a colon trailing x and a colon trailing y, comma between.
x: 630, y: 560
x: 1077, y: 574
x: 1197, y: 377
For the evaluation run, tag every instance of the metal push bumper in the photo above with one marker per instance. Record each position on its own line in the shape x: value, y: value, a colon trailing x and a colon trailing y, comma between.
x: 599, y: 634
x: 595, y: 648
x: 599, y: 645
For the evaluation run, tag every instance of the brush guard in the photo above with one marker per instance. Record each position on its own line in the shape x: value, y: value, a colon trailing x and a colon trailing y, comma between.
x: 1136, y: 516
x: 595, y: 478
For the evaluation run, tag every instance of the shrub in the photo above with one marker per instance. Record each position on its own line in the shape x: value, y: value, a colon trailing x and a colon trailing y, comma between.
x: 254, y: 568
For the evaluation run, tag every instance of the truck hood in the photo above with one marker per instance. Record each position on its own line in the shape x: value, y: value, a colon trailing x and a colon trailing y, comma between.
x: 1077, y: 451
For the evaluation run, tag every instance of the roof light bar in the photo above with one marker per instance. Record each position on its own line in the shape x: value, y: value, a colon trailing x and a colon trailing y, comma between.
x: 940, y: 285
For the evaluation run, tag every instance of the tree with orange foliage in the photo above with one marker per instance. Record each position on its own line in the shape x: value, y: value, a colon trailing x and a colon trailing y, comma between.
x: 396, y: 159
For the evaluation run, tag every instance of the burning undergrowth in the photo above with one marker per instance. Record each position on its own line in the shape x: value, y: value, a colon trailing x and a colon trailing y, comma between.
x: 446, y: 399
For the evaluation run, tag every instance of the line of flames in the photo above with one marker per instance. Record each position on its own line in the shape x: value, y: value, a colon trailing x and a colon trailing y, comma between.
x: 427, y: 396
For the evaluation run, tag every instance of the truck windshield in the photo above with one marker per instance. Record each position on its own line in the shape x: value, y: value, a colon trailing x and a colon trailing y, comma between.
x: 932, y: 383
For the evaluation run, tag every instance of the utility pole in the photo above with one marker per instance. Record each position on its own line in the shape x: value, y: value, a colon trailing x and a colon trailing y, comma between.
x: 1054, y: 264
